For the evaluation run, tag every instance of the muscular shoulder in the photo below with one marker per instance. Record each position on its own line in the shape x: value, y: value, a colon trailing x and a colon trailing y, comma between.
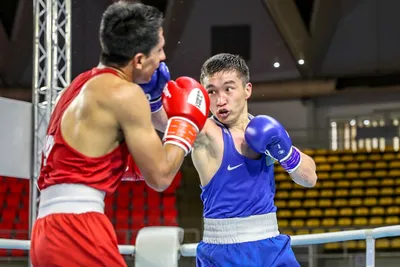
x: 206, y: 135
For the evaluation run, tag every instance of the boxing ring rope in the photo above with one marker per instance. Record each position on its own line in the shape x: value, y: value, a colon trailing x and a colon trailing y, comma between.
x: 149, y: 239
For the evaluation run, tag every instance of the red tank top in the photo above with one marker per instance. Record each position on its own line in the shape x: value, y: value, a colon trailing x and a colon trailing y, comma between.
x: 63, y: 164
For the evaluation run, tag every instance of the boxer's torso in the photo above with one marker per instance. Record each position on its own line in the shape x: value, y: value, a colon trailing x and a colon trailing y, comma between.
x: 236, y: 181
x: 83, y: 142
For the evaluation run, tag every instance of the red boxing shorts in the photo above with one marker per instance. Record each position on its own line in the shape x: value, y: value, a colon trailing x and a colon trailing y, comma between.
x: 66, y: 239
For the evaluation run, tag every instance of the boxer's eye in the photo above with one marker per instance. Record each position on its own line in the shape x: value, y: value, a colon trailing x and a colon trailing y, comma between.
x: 211, y: 92
x: 228, y: 89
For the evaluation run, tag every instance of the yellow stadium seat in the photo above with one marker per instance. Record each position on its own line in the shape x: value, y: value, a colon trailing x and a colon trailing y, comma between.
x: 351, y: 175
x: 302, y: 232
x: 372, y: 182
x: 395, y: 243
x: 377, y: 211
x: 286, y: 185
x: 297, y: 223
x: 331, y: 230
x: 293, y: 204
x: 280, y: 203
x: 392, y: 220
x: 289, y: 232
x: 370, y: 201
x: 297, y: 194
x: 382, y: 243
x: 333, y: 246
x: 388, y: 156
x: 360, y: 221
x: 397, y: 191
x: 344, y: 222
x: 346, y: 158
x: 323, y: 175
x: 313, y: 222
x: 319, y: 159
x: 282, y: 194
x: 357, y: 183
x: 309, y: 152
x: 361, y: 244
x: 362, y: 211
x: 324, y: 203
x: 381, y: 165
x: 372, y: 191
x: 394, y: 164
x: 284, y: 213
x: 394, y: 173
x: 356, y: 192
x: 328, y: 222
x: 321, y: 151
x: 317, y: 231
x: 310, y: 203
x: 376, y: 221
x: 333, y: 158
x: 352, y: 244
x: 281, y: 176
x: 386, y: 201
x: 374, y: 157
x: 360, y: 157
x: 397, y: 201
x: 327, y: 184
x: 366, y: 174
x: 366, y: 165
x: 340, y: 202
x: 336, y: 175
x: 311, y: 193
x: 380, y: 173
x: 341, y: 193
x: 388, y: 182
x: 393, y: 210
x: 300, y: 213
x: 315, y: 213
x: 326, y: 193
x: 353, y: 166
x: 355, y: 202
x: 323, y: 167
x: 338, y: 167
x: 283, y: 223
x: 346, y: 212
x: 343, y: 184
x: 331, y: 212
x: 279, y: 169
x: 386, y: 191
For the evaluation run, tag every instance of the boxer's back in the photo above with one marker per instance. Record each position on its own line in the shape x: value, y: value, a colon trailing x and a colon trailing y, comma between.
x: 84, y: 144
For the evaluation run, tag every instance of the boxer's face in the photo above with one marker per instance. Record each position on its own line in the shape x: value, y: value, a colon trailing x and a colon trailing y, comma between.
x: 228, y: 96
x: 146, y: 65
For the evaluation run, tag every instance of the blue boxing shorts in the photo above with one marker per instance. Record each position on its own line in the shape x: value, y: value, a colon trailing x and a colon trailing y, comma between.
x: 233, y: 245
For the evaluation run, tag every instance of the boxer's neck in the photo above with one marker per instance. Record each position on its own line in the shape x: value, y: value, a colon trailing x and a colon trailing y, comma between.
x: 241, y: 123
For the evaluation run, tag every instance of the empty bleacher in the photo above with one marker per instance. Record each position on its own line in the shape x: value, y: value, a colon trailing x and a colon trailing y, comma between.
x: 354, y: 191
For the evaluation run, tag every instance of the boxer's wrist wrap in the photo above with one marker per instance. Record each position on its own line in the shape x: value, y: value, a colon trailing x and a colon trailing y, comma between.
x: 292, y: 161
x: 155, y: 104
x: 181, y: 132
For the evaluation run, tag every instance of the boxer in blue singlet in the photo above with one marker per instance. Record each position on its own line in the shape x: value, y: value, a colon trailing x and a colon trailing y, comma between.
x: 234, y: 156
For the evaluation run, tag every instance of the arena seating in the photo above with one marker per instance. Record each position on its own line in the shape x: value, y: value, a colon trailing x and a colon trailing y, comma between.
x: 354, y: 191
x: 133, y: 206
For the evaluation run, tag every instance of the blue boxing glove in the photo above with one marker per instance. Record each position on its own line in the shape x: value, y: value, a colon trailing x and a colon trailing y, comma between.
x: 154, y: 88
x: 264, y: 134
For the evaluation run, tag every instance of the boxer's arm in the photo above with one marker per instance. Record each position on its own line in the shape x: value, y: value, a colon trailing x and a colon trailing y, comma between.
x: 305, y: 175
x: 160, y: 120
x: 158, y: 164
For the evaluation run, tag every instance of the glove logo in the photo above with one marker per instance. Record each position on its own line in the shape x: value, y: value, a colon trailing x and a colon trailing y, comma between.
x: 148, y: 97
x: 196, y: 98
x: 166, y: 91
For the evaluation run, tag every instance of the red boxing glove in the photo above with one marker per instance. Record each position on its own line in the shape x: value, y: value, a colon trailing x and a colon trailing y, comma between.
x: 187, y: 104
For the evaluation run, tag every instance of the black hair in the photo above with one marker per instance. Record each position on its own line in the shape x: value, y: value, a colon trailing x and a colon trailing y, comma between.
x: 128, y: 28
x: 225, y: 62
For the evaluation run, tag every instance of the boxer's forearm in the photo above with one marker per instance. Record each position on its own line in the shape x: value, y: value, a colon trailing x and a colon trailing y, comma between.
x: 159, y: 120
x: 305, y: 175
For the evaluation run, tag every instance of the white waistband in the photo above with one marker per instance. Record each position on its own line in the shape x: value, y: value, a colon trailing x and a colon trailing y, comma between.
x: 238, y: 230
x: 70, y: 198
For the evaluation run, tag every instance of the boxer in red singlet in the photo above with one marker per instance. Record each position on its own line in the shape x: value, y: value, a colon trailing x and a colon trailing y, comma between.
x: 98, y: 121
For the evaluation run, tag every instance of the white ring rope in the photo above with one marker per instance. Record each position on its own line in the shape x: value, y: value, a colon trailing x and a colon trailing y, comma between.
x: 189, y: 250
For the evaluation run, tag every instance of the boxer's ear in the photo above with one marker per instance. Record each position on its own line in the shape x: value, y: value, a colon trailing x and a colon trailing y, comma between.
x: 248, y: 90
x: 138, y: 61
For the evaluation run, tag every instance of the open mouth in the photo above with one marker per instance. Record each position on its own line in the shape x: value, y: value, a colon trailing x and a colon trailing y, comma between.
x: 223, y: 113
